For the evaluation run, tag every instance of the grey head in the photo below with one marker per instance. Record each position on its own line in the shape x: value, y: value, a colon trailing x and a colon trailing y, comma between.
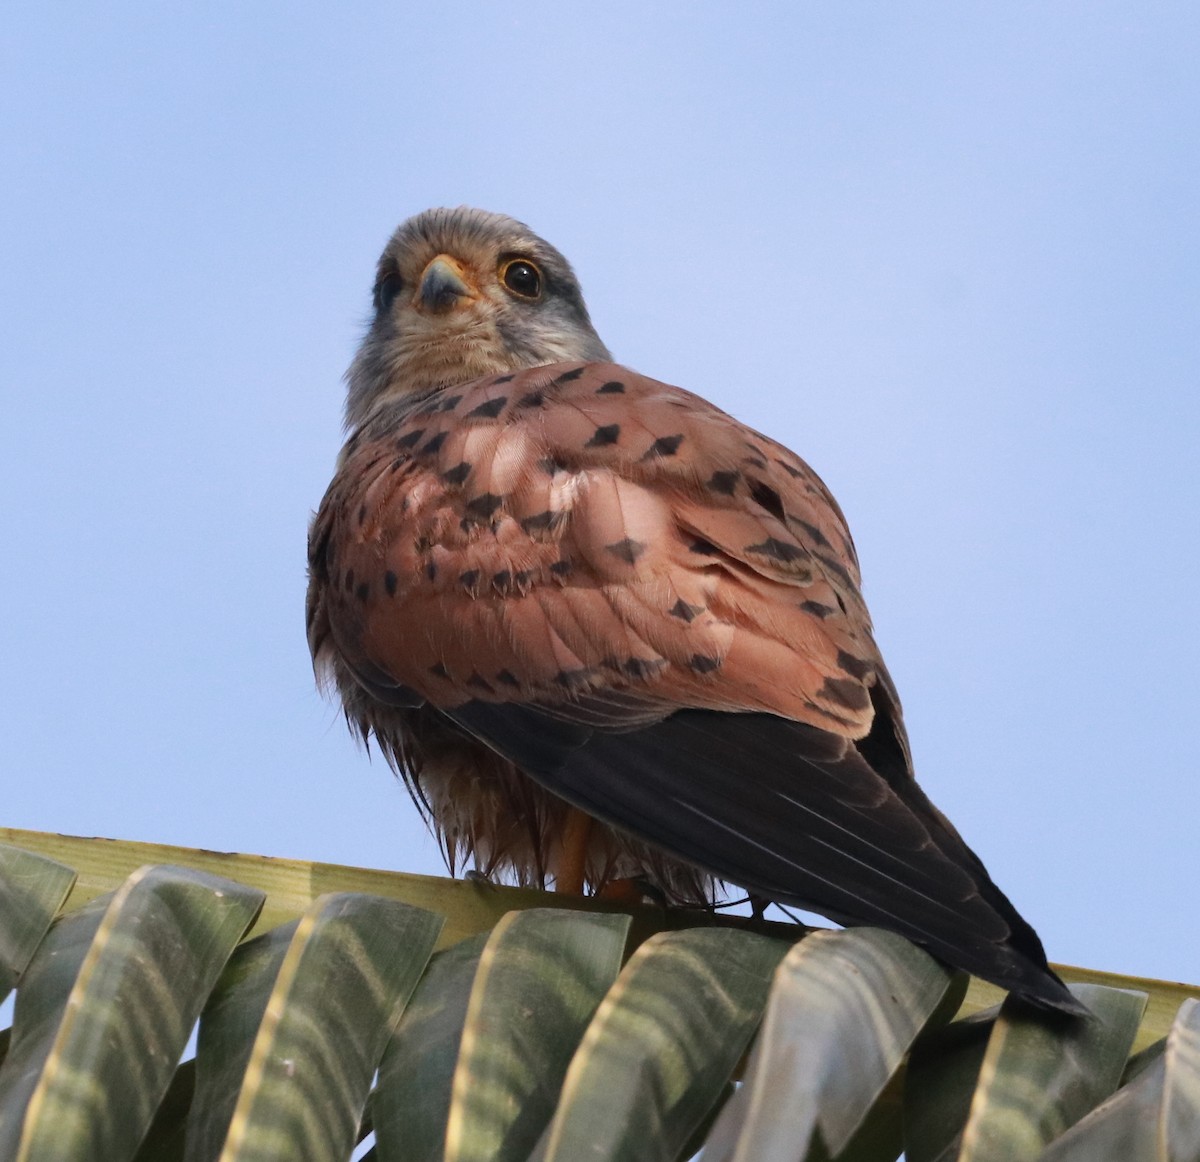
x: 461, y: 294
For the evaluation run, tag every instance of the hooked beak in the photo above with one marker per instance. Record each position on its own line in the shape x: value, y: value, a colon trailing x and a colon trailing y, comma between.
x: 443, y: 286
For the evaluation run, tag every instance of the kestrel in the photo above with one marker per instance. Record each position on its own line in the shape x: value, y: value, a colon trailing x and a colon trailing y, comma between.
x: 607, y: 632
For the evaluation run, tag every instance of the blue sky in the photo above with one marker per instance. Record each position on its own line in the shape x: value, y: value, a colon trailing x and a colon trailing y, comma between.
x: 946, y: 252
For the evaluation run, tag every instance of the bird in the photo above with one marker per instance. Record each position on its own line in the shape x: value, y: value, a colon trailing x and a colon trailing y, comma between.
x: 608, y: 634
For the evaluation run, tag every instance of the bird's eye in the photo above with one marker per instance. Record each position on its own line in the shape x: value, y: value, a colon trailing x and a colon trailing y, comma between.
x: 387, y: 288
x: 522, y: 278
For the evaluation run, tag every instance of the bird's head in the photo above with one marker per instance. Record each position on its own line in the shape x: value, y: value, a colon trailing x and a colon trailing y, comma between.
x: 461, y: 294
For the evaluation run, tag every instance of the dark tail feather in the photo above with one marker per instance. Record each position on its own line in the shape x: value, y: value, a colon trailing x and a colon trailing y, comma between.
x: 792, y: 813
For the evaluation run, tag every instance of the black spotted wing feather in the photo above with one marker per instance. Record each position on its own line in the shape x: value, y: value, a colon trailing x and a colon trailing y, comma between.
x: 572, y: 536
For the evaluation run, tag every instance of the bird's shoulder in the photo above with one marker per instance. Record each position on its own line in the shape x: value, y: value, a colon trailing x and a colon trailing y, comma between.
x: 666, y: 547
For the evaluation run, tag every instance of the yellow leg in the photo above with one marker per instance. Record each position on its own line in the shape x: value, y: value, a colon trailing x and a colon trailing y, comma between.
x: 622, y: 892
x: 573, y: 864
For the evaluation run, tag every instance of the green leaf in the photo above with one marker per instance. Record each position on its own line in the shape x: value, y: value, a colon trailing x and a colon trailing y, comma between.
x: 662, y: 1046
x: 164, y: 1141
x: 1042, y: 1072
x: 943, y: 1070
x: 104, y: 1059
x: 844, y: 1010
x: 699, y: 1135
x: 1155, y: 1117
x: 411, y: 1102
x: 1181, y: 1088
x: 1123, y: 1128
x: 1165, y: 996
x: 228, y: 1026
x: 540, y: 979
x: 45, y: 986
x: 351, y: 966
x: 1140, y: 1062
x: 293, y: 884
x: 32, y: 889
